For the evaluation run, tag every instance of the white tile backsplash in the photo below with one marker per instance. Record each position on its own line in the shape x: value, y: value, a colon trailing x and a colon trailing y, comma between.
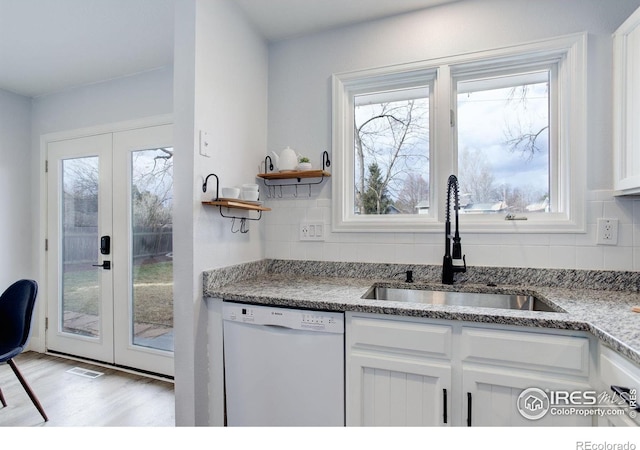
x: 589, y: 258
x: 562, y: 256
x: 618, y: 258
x: 539, y: 250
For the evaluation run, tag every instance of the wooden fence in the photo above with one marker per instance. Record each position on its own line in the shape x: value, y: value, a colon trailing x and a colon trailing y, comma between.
x: 82, y: 245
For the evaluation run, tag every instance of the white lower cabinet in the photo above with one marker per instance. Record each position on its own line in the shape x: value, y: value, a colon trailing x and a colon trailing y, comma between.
x: 398, y: 372
x: 491, y: 398
x: 617, y: 372
x: 403, y: 371
x: 400, y: 392
x: 499, y: 365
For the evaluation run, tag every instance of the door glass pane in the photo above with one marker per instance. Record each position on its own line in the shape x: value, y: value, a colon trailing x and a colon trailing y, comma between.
x: 152, y: 248
x: 80, y: 301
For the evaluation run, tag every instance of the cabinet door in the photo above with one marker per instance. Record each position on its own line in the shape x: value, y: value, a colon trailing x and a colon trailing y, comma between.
x: 491, y: 397
x: 387, y: 390
x: 616, y: 370
x: 626, y: 103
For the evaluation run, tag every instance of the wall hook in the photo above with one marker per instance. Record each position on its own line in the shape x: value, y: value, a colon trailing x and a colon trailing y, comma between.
x: 243, y: 225
x: 233, y: 224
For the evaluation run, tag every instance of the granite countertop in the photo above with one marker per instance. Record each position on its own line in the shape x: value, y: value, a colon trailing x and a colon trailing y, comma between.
x: 606, y: 313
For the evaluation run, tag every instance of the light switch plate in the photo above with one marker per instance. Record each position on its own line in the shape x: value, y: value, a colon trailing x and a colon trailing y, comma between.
x: 205, y: 144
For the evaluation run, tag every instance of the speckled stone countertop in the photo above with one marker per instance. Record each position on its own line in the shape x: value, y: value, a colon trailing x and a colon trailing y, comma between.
x: 599, y: 302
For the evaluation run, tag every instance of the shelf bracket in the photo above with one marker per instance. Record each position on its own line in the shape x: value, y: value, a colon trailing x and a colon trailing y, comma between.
x: 238, y: 217
x: 204, y: 185
x: 325, y: 160
x: 268, y: 167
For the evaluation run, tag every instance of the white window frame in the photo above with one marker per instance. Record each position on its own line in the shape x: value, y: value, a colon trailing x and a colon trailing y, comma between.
x: 568, y: 138
x: 345, y: 88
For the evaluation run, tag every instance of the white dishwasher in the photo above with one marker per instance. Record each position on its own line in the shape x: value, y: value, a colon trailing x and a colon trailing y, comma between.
x: 283, y: 367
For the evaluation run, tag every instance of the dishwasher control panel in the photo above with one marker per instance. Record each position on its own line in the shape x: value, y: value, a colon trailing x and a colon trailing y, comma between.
x: 296, y: 319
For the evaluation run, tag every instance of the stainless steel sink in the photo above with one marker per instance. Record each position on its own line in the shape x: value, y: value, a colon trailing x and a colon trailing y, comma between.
x: 523, y: 302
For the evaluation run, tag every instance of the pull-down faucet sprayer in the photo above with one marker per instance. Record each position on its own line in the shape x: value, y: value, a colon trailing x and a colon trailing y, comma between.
x: 453, y: 260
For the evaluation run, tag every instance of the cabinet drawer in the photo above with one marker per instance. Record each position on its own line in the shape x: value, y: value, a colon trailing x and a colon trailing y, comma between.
x: 401, y: 336
x: 537, y: 351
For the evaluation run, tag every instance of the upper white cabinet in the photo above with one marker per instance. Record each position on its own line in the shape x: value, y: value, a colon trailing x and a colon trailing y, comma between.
x: 626, y: 106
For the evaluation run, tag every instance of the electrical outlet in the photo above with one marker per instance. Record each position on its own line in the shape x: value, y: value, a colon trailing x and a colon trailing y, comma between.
x: 607, y: 232
x: 312, y: 231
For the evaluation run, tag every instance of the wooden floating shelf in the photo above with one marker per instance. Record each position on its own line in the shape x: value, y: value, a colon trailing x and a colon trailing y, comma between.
x: 294, y: 174
x: 237, y: 204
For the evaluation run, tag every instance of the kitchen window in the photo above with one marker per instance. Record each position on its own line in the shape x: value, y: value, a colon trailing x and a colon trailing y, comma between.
x: 503, y: 142
x: 391, y: 152
x: 508, y: 122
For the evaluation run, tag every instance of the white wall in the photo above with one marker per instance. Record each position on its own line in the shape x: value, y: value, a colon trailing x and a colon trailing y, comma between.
x: 220, y: 87
x: 300, y: 116
x: 16, y: 185
x: 122, y: 99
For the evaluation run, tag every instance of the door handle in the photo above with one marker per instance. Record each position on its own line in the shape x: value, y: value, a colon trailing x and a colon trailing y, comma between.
x: 444, y: 405
x: 105, y: 265
x: 469, y: 409
x: 628, y: 395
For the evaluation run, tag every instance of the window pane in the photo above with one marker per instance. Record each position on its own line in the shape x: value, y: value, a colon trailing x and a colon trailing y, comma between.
x: 503, y: 144
x: 391, y: 152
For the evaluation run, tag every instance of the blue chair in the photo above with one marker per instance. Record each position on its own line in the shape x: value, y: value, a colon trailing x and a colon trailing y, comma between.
x: 16, y: 309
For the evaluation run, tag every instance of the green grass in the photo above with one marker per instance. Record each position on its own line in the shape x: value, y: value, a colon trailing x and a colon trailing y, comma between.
x: 153, y: 292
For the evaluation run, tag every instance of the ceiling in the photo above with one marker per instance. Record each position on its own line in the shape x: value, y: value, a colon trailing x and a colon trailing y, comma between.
x: 47, y: 46
x: 281, y: 19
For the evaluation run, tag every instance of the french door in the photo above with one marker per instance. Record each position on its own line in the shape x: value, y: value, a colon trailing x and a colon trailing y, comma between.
x: 109, y: 262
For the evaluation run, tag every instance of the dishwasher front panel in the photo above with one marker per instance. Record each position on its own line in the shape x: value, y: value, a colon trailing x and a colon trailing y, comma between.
x: 283, y: 375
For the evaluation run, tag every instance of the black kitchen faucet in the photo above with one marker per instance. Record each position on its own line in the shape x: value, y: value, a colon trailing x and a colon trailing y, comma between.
x: 452, y: 257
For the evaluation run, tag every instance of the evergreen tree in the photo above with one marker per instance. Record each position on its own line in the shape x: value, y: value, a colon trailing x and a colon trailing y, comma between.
x: 375, y: 199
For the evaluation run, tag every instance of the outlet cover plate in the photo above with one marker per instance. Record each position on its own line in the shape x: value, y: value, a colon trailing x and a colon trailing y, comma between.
x: 312, y: 231
x: 607, y: 231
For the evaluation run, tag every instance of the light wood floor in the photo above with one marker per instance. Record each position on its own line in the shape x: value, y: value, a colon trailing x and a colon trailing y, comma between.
x: 114, y: 399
